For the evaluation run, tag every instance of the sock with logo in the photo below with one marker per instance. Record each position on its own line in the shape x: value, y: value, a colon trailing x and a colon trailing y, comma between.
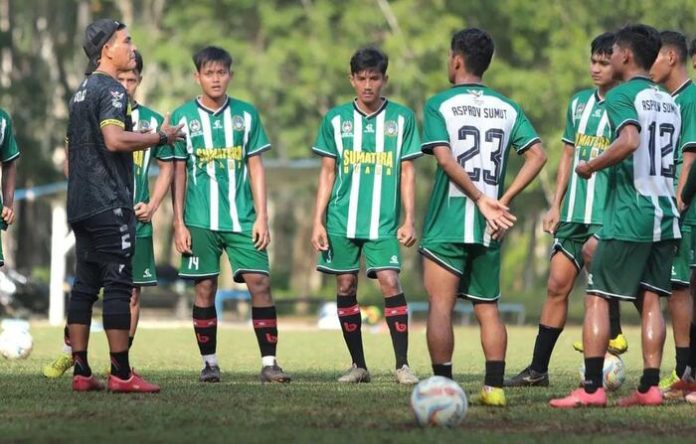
x: 81, y: 364
x: 396, y: 315
x: 205, y: 327
x: 614, y: 319
x: 495, y: 371
x: 593, y: 374
x: 543, y: 347
x: 444, y: 369
x: 120, y: 367
x: 650, y: 378
x: 266, y: 329
x: 351, y: 323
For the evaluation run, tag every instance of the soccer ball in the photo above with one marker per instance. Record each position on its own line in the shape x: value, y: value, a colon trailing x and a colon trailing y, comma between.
x: 15, y: 344
x: 614, y: 372
x: 439, y: 401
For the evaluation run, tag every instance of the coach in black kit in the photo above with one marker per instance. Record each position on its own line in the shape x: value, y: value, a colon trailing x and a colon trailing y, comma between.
x: 100, y: 203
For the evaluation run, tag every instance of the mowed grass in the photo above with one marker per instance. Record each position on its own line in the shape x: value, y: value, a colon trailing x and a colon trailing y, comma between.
x: 314, y: 408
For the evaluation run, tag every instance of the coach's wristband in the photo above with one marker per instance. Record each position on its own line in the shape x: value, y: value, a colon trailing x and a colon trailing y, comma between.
x: 163, y: 138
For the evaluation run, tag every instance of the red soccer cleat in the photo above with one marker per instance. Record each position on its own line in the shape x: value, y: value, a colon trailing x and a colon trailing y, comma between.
x: 86, y: 384
x: 580, y: 398
x: 652, y: 397
x: 134, y: 384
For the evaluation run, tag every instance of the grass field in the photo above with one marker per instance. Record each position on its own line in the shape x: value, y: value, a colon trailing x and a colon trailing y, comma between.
x: 313, y: 408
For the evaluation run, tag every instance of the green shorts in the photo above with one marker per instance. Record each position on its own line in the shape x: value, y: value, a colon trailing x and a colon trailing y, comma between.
x: 620, y: 268
x: 478, y: 267
x: 144, y: 272
x: 570, y: 238
x: 343, y: 256
x: 692, y: 245
x: 207, y: 247
x: 681, y: 272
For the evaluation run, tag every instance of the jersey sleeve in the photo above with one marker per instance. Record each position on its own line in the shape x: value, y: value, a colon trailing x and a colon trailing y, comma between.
x: 434, y: 128
x: 162, y: 152
x: 687, y: 138
x: 179, y: 151
x: 570, y: 130
x: 113, y: 105
x: 411, y: 148
x: 523, y: 133
x: 325, y: 144
x: 620, y: 111
x: 258, y: 142
x: 8, y: 149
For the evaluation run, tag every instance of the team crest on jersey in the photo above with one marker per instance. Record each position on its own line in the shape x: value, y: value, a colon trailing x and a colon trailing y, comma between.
x: 346, y: 128
x: 143, y: 125
x: 195, y: 128
x: 116, y: 98
x: 579, y: 109
x: 391, y: 128
x: 237, y: 123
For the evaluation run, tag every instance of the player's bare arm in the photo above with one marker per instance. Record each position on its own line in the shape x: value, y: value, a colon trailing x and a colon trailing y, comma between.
x: 406, y: 234
x: 688, y: 161
x: 327, y: 176
x: 117, y: 139
x: 145, y: 210
x: 497, y: 215
x: 553, y: 216
x: 257, y: 177
x: 182, y: 236
x: 627, y: 142
x: 9, y: 174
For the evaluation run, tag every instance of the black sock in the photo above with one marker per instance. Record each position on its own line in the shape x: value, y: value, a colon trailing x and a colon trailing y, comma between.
x: 130, y: 341
x: 682, y: 360
x: 495, y: 370
x: 266, y: 329
x: 205, y: 327
x: 443, y: 370
x: 614, y: 319
x: 651, y: 377
x: 692, y: 349
x: 593, y: 374
x: 351, y: 323
x: 81, y: 364
x: 120, y: 367
x: 396, y: 315
x: 543, y: 347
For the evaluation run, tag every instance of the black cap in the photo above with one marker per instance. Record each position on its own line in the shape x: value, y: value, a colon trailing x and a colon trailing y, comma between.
x: 96, y: 36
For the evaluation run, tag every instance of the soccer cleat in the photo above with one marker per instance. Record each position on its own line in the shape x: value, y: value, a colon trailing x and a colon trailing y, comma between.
x: 490, y: 396
x: 528, y: 378
x: 673, y: 387
x: 652, y: 397
x: 59, y: 366
x: 404, y: 375
x: 134, y: 384
x: 210, y: 373
x: 691, y: 398
x: 617, y: 346
x: 667, y: 382
x: 580, y: 398
x: 86, y: 384
x: 273, y: 373
x: 355, y: 375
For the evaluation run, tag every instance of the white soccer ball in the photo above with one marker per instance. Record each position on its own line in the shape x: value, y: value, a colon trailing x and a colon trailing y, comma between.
x: 614, y: 372
x: 439, y: 401
x: 15, y: 344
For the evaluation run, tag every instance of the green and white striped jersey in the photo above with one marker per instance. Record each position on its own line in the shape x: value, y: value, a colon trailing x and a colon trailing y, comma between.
x: 365, y: 201
x: 217, y: 148
x: 8, y: 144
x: 480, y: 126
x: 685, y: 98
x: 641, y: 206
x: 145, y: 118
x: 587, y: 129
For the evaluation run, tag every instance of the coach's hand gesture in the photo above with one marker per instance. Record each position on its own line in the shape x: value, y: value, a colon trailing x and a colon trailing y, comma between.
x: 173, y: 133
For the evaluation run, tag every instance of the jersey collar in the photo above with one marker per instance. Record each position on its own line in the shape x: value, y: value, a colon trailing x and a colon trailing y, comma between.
x: 598, y: 99
x: 379, y: 110
x: 214, y: 112
x: 468, y: 85
x: 681, y: 88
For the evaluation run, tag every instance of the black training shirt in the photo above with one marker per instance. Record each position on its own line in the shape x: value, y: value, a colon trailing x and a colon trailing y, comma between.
x: 98, y: 179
